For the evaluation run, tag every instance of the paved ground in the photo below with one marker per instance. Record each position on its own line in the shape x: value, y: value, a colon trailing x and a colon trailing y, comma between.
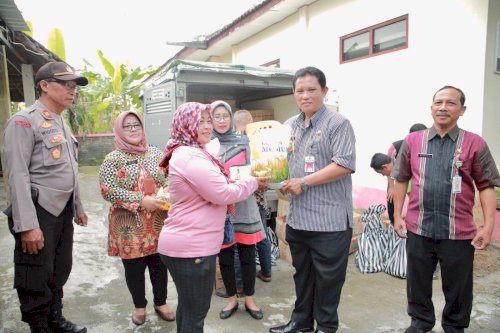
x: 96, y: 294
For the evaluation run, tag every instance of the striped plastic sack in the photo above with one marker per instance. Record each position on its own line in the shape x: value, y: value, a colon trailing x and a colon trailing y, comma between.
x: 275, y: 250
x: 395, y: 254
x: 372, y: 243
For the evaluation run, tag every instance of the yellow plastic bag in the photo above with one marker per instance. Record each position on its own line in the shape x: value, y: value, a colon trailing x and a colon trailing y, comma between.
x: 165, y: 196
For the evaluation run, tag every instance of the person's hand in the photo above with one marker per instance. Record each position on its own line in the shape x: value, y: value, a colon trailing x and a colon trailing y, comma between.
x: 150, y: 203
x: 390, y: 194
x: 292, y: 186
x: 262, y: 183
x: 81, y: 219
x: 482, y: 239
x: 32, y: 241
x: 400, y: 227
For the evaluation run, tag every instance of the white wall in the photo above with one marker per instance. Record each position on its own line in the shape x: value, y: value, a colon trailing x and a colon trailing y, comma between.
x: 491, y: 124
x: 384, y: 95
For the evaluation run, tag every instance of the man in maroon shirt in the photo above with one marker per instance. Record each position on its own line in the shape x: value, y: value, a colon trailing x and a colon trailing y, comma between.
x: 445, y: 165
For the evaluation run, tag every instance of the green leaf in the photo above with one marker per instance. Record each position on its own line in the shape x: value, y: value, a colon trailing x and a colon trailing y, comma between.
x: 117, y: 80
x: 108, y: 67
x: 30, y: 31
x: 55, y: 43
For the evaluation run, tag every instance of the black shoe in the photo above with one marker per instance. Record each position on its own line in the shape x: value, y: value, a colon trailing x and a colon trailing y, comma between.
x: 291, y: 327
x: 62, y: 325
x: 228, y: 313
x: 44, y: 328
x: 413, y: 329
x: 256, y: 314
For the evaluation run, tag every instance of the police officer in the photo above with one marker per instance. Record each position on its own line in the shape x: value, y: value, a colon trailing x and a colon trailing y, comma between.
x: 41, y: 155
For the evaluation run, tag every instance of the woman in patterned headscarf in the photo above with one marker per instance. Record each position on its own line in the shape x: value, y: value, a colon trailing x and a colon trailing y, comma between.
x: 129, y: 178
x: 201, y: 195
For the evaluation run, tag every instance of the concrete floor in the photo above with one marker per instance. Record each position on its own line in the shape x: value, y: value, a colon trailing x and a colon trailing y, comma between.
x: 96, y: 294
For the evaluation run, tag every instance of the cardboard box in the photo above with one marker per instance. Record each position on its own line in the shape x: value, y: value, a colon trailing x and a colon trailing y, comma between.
x: 218, y: 276
x: 357, y: 224
x: 477, y: 212
x: 281, y: 229
x: 285, y: 252
x: 283, y: 205
x: 262, y: 114
x: 354, y: 244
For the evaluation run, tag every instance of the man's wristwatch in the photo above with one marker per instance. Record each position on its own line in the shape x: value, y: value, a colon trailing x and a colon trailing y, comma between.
x: 303, y: 186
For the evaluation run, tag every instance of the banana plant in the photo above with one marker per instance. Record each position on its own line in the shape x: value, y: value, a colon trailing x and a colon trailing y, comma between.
x: 106, y: 95
x: 55, y: 43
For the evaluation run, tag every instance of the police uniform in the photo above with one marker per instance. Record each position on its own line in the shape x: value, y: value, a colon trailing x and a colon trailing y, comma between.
x: 41, y: 154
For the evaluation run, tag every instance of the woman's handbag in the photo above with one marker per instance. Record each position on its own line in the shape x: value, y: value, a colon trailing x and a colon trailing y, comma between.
x: 228, y: 231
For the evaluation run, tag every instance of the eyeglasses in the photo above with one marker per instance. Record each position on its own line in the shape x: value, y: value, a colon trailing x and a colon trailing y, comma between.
x: 69, y: 85
x: 219, y: 117
x: 130, y: 127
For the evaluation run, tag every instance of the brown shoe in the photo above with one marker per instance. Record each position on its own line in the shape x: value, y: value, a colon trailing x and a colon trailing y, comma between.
x: 262, y: 277
x: 221, y: 292
x: 165, y: 314
x: 138, y: 319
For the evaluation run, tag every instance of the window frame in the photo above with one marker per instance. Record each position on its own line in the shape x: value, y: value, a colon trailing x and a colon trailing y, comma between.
x: 496, y: 65
x: 371, y: 47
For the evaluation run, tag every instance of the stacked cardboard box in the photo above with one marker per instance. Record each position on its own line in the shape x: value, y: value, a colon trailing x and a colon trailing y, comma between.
x: 262, y: 114
x: 283, y: 206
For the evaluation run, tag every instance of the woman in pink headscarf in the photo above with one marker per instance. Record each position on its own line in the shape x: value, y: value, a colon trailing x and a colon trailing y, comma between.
x: 129, y: 178
x: 201, y: 195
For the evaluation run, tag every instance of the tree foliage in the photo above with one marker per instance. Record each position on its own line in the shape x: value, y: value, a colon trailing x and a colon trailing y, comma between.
x: 101, y: 101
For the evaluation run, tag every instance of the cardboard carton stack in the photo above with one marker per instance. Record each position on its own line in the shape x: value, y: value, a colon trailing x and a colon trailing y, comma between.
x: 262, y: 114
x: 283, y: 205
x: 281, y: 214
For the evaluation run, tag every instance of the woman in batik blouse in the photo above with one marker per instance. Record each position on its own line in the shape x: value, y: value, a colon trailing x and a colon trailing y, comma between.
x: 129, y: 179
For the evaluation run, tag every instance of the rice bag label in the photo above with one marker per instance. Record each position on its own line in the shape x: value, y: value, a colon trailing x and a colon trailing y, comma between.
x: 269, y: 141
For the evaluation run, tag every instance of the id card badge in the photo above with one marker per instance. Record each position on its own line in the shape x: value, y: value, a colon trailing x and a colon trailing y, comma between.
x: 309, y: 164
x: 456, y: 186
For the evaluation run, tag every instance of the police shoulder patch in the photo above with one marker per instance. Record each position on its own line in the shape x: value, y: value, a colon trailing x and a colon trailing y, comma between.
x: 23, y: 123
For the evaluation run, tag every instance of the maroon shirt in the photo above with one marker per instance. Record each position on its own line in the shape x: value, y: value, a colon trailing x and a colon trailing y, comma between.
x: 432, y: 162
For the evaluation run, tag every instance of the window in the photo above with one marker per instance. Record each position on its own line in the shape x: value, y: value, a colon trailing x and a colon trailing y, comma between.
x: 382, y: 38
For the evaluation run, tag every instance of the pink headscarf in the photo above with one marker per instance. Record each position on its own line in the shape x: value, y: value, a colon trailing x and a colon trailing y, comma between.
x: 120, y: 141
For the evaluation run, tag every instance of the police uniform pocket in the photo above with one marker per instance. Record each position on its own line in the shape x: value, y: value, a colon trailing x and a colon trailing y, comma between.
x: 30, y: 272
x: 53, y: 150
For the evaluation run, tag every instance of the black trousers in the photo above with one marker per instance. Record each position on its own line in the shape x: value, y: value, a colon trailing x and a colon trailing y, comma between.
x: 390, y: 210
x: 194, y: 280
x: 136, y: 282
x: 39, y: 278
x: 456, y: 259
x: 320, y: 262
x: 246, y: 254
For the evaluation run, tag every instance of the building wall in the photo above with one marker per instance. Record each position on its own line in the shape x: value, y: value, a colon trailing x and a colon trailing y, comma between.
x: 491, y: 124
x: 383, y: 95
x: 93, y: 148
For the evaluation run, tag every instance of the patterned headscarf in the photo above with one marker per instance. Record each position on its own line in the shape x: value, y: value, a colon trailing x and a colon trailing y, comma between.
x: 185, y: 125
x: 121, y: 143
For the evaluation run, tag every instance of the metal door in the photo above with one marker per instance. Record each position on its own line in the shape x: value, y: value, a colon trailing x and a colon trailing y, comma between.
x: 158, y: 109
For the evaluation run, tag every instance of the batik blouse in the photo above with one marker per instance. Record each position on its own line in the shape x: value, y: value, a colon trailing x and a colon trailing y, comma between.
x: 124, y: 180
